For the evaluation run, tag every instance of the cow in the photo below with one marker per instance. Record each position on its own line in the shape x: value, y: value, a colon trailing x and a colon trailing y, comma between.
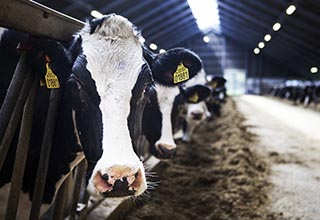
x: 196, y: 112
x: 98, y: 114
x: 166, y: 98
x: 218, y: 95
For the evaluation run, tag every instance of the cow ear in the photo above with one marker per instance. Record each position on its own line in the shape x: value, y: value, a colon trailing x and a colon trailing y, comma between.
x: 96, y: 23
x: 196, y: 93
x: 216, y: 82
x: 175, y: 66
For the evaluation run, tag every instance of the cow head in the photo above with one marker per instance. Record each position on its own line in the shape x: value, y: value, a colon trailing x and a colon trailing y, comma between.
x: 195, y: 107
x: 159, y: 112
x: 113, y: 76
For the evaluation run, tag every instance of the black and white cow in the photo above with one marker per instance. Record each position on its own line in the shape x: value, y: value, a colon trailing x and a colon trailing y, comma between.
x: 196, y: 111
x: 166, y: 98
x: 218, y: 94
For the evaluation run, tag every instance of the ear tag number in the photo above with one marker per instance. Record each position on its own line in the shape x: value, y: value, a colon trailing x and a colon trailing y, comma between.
x: 181, y: 74
x: 52, y: 81
x: 194, y: 98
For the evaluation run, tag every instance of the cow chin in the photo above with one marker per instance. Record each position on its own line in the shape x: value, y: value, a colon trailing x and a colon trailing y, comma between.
x: 117, y: 181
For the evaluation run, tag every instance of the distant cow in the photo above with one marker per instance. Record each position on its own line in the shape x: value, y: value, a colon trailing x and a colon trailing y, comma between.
x: 218, y: 94
x: 196, y: 111
x: 160, y: 112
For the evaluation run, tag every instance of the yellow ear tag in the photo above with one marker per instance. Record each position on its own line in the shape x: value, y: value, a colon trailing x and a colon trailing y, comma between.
x: 194, y: 98
x: 181, y: 74
x: 52, y: 81
x: 214, y: 84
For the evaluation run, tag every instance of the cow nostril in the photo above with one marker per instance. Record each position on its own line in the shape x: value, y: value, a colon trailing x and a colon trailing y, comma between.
x: 197, y: 115
x: 136, y: 174
x: 120, y: 185
x: 105, y: 177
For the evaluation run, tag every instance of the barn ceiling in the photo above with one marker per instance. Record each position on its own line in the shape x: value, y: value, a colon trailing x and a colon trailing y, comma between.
x: 170, y: 23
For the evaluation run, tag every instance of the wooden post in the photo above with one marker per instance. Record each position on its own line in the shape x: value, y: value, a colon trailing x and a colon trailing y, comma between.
x: 21, y: 153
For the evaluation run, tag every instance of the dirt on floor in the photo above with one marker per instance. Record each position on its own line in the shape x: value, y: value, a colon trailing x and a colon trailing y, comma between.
x: 219, y: 175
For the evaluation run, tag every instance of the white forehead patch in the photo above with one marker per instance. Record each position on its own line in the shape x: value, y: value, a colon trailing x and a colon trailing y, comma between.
x: 166, y: 96
x: 114, y: 56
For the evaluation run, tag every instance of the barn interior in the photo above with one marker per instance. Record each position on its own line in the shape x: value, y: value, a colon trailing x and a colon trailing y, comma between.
x: 260, y: 158
x: 233, y: 29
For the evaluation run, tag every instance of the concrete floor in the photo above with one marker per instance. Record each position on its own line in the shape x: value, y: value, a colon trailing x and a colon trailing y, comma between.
x: 289, y: 136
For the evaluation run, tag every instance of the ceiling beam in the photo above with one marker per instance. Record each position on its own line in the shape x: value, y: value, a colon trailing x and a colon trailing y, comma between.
x: 182, y: 24
x: 168, y: 22
x: 181, y: 38
x: 169, y: 13
x: 225, y: 8
x: 153, y: 11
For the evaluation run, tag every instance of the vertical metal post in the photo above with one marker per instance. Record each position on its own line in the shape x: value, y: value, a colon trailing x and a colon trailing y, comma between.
x: 80, y: 174
x: 15, y: 119
x: 45, y: 153
x: 21, y: 154
x: 60, y: 201
x: 13, y: 93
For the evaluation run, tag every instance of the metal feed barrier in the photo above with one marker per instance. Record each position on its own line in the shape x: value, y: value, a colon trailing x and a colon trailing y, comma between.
x: 18, y: 108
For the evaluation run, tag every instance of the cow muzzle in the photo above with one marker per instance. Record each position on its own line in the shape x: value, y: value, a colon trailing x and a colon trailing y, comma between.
x: 164, y: 151
x: 196, y: 115
x: 118, y: 181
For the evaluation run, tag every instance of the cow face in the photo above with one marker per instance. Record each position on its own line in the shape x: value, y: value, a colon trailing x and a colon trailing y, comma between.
x: 160, y: 112
x: 195, y: 107
x: 112, y: 60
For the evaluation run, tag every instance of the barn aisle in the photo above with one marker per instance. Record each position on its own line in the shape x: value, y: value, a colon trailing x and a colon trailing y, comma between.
x: 289, y: 136
x: 219, y: 175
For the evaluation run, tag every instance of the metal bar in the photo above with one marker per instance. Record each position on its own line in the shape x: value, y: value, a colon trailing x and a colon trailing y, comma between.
x: 60, y: 201
x: 13, y: 93
x: 14, y: 120
x: 45, y: 153
x: 21, y: 153
x: 59, y: 26
x: 81, y: 171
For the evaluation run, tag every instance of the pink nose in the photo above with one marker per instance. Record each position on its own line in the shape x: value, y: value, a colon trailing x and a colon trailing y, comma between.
x: 166, y: 151
x: 118, y: 181
x: 196, y: 115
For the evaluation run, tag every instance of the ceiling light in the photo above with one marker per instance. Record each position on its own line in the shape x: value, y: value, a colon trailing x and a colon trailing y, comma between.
x: 290, y: 9
x: 276, y: 26
x: 206, y: 13
x: 256, y: 50
x: 261, y: 45
x: 162, y: 50
x: 206, y: 39
x: 96, y: 14
x: 153, y: 46
x: 314, y: 69
x: 267, y: 37
x: 142, y: 40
